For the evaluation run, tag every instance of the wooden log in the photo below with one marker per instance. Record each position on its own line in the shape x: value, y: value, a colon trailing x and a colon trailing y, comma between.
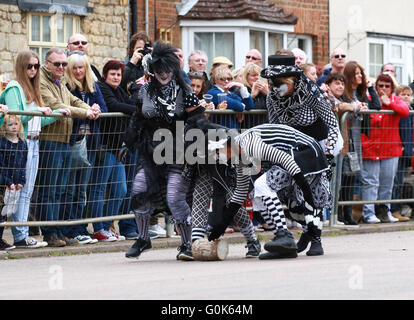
x: 204, y: 250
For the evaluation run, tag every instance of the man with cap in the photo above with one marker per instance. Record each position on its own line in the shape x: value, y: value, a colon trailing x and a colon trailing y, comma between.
x: 296, y: 101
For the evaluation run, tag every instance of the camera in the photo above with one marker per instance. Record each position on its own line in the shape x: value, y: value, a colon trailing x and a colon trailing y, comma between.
x: 146, y: 49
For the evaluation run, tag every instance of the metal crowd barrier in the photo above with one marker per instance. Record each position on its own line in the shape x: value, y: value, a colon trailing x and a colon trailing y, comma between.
x: 78, y: 188
x: 404, y: 174
x: 251, y: 118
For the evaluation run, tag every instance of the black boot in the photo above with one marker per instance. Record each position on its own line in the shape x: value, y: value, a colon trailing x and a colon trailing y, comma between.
x: 348, y: 218
x: 316, y: 243
x: 340, y: 213
x: 185, y: 253
x: 303, y: 242
x: 283, y: 242
x: 138, y: 247
x: 277, y: 255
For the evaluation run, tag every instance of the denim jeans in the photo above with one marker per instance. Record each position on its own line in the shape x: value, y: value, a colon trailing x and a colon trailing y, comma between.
x: 377, y: 182
x: 77, y: 195
x: 54, y: 165
x: 108, y: 174
x: 127, y: 226
x: 22, y: 213
x: 398, y: 184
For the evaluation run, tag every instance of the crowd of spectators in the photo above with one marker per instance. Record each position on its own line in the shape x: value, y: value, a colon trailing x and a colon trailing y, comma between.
x: 71, y: 161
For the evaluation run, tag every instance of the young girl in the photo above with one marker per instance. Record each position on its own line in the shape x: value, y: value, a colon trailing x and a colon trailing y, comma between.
x: 13, y: 156
x: 23, y: 94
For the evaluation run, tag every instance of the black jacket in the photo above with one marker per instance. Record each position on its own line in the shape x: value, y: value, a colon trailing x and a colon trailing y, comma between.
x: 112, y: 129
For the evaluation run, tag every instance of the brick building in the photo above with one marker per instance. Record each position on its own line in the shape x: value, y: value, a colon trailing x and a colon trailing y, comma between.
x: 301, y: 23
x: 231, y: 26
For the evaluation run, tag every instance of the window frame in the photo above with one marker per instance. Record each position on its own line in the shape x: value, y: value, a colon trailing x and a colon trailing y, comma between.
x: 41, y: 45
x: 241, y: 29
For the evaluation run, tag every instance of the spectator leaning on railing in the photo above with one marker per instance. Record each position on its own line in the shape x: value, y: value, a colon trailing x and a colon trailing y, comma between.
x: 23, y: 94
x: 55, y: 150
x: 381, y: 149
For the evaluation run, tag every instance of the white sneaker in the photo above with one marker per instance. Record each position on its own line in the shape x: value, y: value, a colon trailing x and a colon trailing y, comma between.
x: 30, y: 243
x: 117, y: 236
x: 84, y: 239
x: 156, y: 228
x: 372, y: 219
x: 391, y: 218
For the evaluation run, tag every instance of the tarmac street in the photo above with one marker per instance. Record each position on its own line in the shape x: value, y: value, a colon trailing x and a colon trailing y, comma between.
x: 355, y: 266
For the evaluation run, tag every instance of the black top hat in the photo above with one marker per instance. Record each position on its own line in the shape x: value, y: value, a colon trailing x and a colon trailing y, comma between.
x: 281, y: 66
x: 276, y: 60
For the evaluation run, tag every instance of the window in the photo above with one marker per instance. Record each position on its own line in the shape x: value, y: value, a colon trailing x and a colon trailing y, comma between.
x: 410, y: 64
x: 275, y: 42
x: 46, y: 31
x: 302, y: 42
x: 215, y: 44
x: 376, y: 59
x: 232, y: 38
x: 257, y: 40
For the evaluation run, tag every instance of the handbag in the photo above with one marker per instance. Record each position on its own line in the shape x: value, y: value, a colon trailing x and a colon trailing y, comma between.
x: 350, y: 165
x: 80, y: 154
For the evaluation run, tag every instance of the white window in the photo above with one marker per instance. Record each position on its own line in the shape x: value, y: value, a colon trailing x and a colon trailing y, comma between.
x: 398, y: 52
x: 301, y: 41
x: 376, y: 59
x: 233, y: 38
x: 215, y: 44
x: 46, y: 31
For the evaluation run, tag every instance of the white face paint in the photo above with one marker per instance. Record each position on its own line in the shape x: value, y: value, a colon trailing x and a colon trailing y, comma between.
x: 282, y: 89
x: 163, y: 77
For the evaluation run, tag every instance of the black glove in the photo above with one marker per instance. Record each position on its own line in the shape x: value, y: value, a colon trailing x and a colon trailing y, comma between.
x: 215, y: 231
x: 122, y: 154
x: 304, y: 185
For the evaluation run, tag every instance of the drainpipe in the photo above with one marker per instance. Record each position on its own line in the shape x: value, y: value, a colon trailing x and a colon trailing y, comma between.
x: 134, y: 16
x: 146, y: 18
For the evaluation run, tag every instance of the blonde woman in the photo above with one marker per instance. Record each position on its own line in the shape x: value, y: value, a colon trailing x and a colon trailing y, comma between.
x: 80, y: 82
x: 23, y: 94
x: 257, y: 87
x: 223, y: 83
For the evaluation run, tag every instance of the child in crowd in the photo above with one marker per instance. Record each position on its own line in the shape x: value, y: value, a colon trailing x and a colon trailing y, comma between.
x: 13, y: 156
x: 403, y: 211
x: 199, y: 87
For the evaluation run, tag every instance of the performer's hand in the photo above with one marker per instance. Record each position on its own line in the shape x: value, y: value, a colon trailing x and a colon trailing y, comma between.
x: 304, y: 185
x: 215, y: 231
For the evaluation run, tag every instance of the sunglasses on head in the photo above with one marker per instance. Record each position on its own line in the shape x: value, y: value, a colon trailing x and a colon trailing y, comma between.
x: 30, y: 66
x: 253, y: 58
x: 58, y: 64
x: 337, y: 56
x: 384, y: 86
x: 226, y: 79
x: 76, y: 43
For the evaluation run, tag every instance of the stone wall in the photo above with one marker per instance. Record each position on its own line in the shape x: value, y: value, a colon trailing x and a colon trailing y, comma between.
x: 106, y: 29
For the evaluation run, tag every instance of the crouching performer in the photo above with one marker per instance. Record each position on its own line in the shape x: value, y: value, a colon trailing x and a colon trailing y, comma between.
x: 164, y: 101
x: 299, y: 179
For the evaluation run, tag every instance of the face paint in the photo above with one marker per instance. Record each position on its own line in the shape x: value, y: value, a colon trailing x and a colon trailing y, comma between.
x: 282, y: 89
x: 163, y: 77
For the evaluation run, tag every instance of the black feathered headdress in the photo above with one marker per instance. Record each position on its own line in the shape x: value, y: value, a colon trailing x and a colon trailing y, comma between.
x: 162, y: 58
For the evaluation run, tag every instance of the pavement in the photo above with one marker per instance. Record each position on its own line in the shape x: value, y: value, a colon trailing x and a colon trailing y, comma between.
x: 159, y: 243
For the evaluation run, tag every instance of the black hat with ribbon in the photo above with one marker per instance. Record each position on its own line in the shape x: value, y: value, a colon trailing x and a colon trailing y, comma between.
x: 280, y: 66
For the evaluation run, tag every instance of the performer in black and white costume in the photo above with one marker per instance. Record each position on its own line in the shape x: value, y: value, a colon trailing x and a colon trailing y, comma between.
x: 299, y: 176
x: 297, y: 101
x: 164, y: 100
x: 217, y: 182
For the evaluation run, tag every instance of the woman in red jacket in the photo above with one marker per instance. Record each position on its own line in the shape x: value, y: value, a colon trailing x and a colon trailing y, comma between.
x: 380, y: 152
